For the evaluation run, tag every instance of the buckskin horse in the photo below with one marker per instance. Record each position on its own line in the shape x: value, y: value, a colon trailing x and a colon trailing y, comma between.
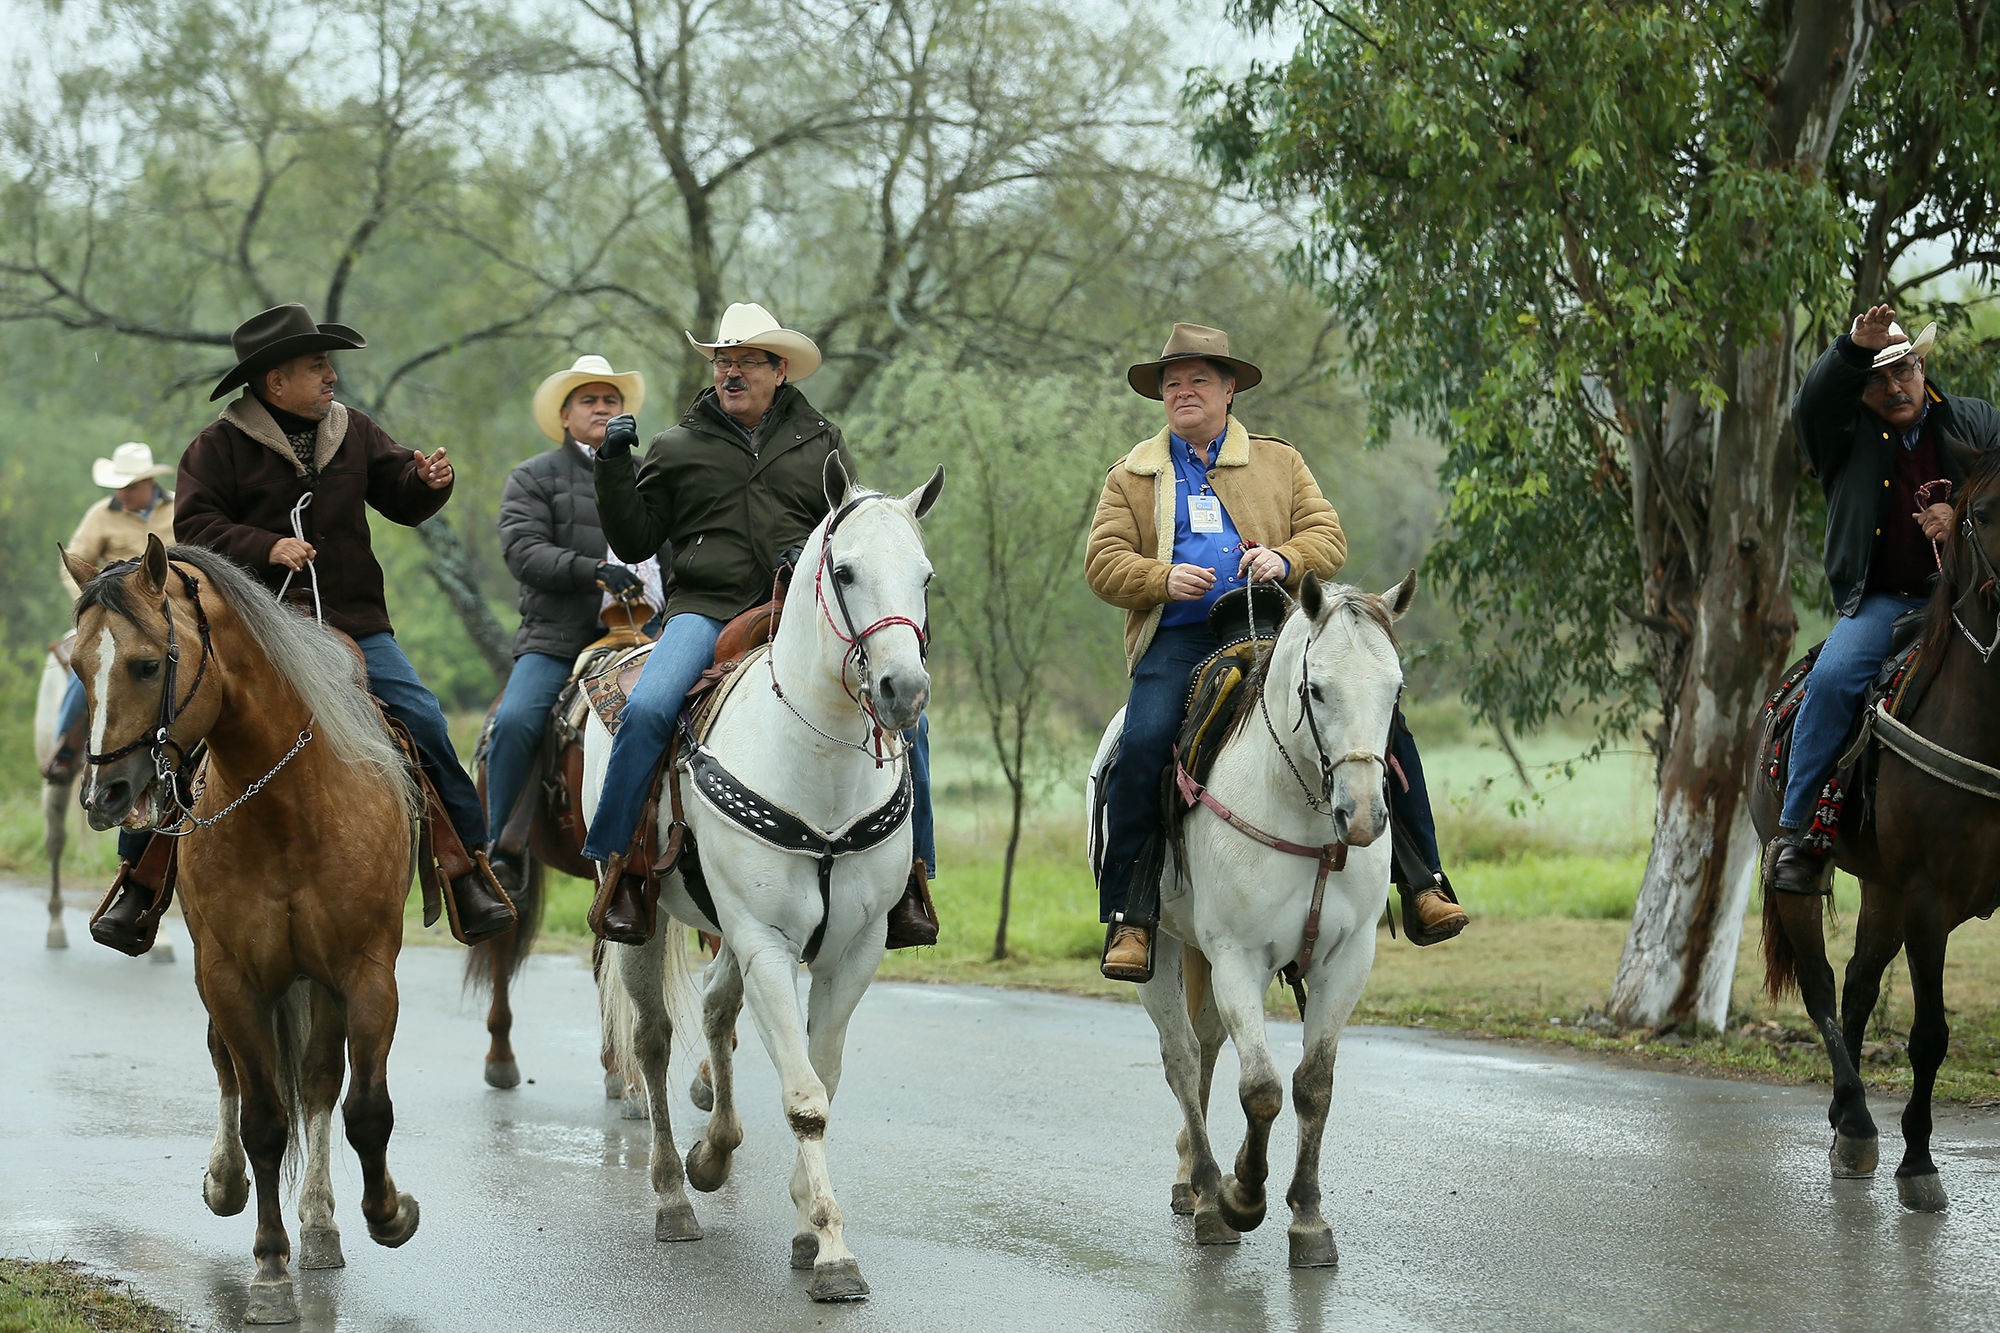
x: 1278, y: 870
x: 294, y: 902
x: 798, y: 801
x: 1925, y: 861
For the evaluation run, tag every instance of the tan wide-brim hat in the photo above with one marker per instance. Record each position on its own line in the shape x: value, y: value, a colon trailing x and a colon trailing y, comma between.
x: 1189, y: 341
x: 128, y: 463
x: 554, y: 391
x: 747, y: 324
x: 1900, y: 345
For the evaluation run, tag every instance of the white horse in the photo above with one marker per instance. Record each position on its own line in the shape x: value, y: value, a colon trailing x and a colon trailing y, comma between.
x: 55, y: 795
x: 807, y: 733
x: 1303, y: 766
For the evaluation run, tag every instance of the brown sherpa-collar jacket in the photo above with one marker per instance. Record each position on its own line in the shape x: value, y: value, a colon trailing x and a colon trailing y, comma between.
x: 1263, y: 483
x: 239, y: 481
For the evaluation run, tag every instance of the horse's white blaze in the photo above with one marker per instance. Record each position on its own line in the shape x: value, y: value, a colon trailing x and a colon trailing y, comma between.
x: 107, y: 652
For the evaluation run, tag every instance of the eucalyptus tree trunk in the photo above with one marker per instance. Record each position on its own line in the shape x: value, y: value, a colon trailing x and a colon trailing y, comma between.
x: 1718, y: 616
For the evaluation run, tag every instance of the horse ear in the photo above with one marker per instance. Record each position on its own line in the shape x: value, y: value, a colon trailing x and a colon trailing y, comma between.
x: 1312, y: 600
x: 838, y: 484
x: 154, y: 564
x: 81, y: 570
x: 1397, y: 600
x: 921, y: 499
x: 1961, y: 455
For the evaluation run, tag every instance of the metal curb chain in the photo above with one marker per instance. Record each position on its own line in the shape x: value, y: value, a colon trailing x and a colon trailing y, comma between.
x: 190, y: 817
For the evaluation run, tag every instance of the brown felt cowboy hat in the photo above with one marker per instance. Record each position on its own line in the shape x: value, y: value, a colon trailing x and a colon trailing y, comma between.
x: 278, y: 335
x: 1192, y: 340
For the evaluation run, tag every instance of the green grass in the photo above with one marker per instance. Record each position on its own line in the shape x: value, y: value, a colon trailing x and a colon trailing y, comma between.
x: 62, y: 1296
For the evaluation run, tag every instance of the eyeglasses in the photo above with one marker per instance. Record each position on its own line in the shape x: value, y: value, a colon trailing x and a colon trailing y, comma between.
x: 1900, y: 373
x: 730, y: 364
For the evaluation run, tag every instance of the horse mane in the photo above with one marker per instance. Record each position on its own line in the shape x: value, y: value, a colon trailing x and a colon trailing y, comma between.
x: 1953, y: 562
x: 317, y: 665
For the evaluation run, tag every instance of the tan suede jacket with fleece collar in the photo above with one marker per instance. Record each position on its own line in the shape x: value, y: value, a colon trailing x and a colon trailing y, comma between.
x: 1263, y: 483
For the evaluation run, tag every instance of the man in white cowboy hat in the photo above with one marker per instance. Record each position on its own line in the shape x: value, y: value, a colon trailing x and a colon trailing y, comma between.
x: 282, y: 483
x: 115, y: 528
x: 1200, y: 508
x: 734, y: 484
x: 1871, y: 425
x: 554, y: 546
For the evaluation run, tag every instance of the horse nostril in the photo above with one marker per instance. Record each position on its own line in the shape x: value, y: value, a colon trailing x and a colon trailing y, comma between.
x: 113, y: 795
x: 1343, y: 816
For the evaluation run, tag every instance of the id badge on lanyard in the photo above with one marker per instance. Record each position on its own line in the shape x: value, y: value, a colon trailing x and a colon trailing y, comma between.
x: 1204, y: 513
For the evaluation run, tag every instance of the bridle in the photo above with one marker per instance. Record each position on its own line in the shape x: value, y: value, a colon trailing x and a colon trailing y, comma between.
x: 1983, y: 584
x: 877, y: 746
x: 1322, y: 801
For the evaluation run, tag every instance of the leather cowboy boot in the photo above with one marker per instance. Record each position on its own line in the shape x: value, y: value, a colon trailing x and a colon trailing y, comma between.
x: 623, y: 910
x: 480, y: 904
x: 1431, y: 914
x: 1797, y: 870
x: 1128, y: 952
x: 128, y: 919
x: 913, y: 920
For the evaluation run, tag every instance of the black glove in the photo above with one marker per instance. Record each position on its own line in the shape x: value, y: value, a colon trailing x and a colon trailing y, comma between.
x: 617, y: 580
x: 788, y: 564
x: 620, y: 434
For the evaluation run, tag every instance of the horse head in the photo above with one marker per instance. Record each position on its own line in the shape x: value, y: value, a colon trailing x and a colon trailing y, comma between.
x: 142, y: 651
x: 1336, y: 658
x: 871, y: 581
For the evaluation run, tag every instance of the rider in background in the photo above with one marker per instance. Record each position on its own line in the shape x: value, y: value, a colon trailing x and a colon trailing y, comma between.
x: 554, y: 546
x: 1870, y: 424
x: 737, y: 481
x: 1200, y: 508
x: 115, y: 528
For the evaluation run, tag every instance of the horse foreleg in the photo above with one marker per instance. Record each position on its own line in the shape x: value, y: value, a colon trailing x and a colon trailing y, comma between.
x: 502, y: 1070
x: 226, y: 1186
x: 1199, y: 1181
x: 1238, y: 986
x: 325, y: 1067
x: 1854, y: 1138
x: 264, y: 1127
x: 722, y: 1000
x: 1335, y: 989
x: 55, y: 833
x: 1917, y: 1183
x: 642, y: 971
x: 372, y: 1007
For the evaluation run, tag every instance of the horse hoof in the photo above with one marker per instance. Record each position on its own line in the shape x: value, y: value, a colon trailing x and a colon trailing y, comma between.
x: 633, y: 1107
x: 1313, y: 1247
x: 614, y: 1086
x: 1239, y: 1208
x: 1853, y: 1156
x: 700, y: 1091
x: 1210, y: 1229
x: 1921, y: 1194
x: 675, y: 1221
x: 319, y: 1247
x: 1183, y: 1199
x: 225, y: 1200
x: 400, y: 1227
x: 272, y: 1303
x: 839, y: 1280
x: 58, y: 937
x: 503, y: 1074
x: 706, y: 1168
x: 163, y: 954
x: 805, y: 1250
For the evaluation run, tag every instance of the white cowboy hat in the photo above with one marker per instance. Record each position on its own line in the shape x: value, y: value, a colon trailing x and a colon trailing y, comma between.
x: 747, y: 324
x: 1900, y: 345
x: 556, y: 389
x: 128, y: 463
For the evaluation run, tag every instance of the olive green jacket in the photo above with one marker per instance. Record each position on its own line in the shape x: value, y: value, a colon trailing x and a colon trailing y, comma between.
x: 728, y: 507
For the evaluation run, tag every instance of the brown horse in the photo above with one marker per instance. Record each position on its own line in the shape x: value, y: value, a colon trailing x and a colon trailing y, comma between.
x: 1925, y: 862
x: 294, y: 901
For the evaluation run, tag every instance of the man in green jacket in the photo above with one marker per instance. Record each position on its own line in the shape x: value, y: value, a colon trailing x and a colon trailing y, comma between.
x: 733, y: 485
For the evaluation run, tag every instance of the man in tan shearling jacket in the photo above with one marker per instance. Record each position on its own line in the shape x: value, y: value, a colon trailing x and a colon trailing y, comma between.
x: 1200, y: 508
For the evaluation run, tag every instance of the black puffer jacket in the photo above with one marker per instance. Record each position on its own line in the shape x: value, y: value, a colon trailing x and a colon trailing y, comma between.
x: 552, y: 539
x: 1852, y: 451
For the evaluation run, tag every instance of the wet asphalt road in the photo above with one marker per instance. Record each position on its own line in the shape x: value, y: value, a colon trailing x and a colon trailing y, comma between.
x: 1004, y: 1160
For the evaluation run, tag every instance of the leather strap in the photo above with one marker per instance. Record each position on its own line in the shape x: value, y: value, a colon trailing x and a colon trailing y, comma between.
x: 1942, y: 764
x: 1331, y: 856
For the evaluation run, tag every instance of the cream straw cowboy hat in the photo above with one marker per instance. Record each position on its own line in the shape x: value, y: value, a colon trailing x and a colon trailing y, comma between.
x: 1192, y: 340
x: 556, y: 389
x: 128, y: 463
x: 1900, y: 345
x: 747, y: 324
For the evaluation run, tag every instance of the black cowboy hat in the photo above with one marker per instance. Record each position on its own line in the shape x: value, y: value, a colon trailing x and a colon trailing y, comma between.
x: 278, y: 335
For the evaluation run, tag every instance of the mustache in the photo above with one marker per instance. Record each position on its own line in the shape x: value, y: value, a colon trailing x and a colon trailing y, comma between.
x: 735, y: 383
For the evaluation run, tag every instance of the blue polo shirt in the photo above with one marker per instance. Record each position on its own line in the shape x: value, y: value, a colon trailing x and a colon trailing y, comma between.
x: 1220, y: 551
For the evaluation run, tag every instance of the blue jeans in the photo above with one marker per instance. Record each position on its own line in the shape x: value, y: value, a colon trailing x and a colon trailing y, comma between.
x: 518, y: 724
x: 72, y: 706
x: 686, y: 648
x: 394, y: 681
x: 1853, y: 654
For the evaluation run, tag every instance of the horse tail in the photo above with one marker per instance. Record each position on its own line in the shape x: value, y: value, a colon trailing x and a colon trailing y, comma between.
x: 620, y: 1017
x: 1781, y: 960
x: 291, y: 1030
x: 508, y: 951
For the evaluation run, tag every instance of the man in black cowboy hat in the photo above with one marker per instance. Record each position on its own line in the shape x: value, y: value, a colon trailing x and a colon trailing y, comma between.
x: 282, y: 483
x: 1199, y: 509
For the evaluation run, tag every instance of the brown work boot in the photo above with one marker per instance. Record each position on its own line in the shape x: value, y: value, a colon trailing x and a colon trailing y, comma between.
x: 622, y: 911
x: 913, y: 920
x: 1796, y: 869
x: 1431, y: 914
x: 479, y: 905
x: 1128, y: 952
x: 61, y: 768
x: 126, y: 920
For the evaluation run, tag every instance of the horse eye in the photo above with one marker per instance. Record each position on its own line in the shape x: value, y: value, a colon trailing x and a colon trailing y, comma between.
x: 843, y: 576
x: 146, y: 670
x: 1317, y: 696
